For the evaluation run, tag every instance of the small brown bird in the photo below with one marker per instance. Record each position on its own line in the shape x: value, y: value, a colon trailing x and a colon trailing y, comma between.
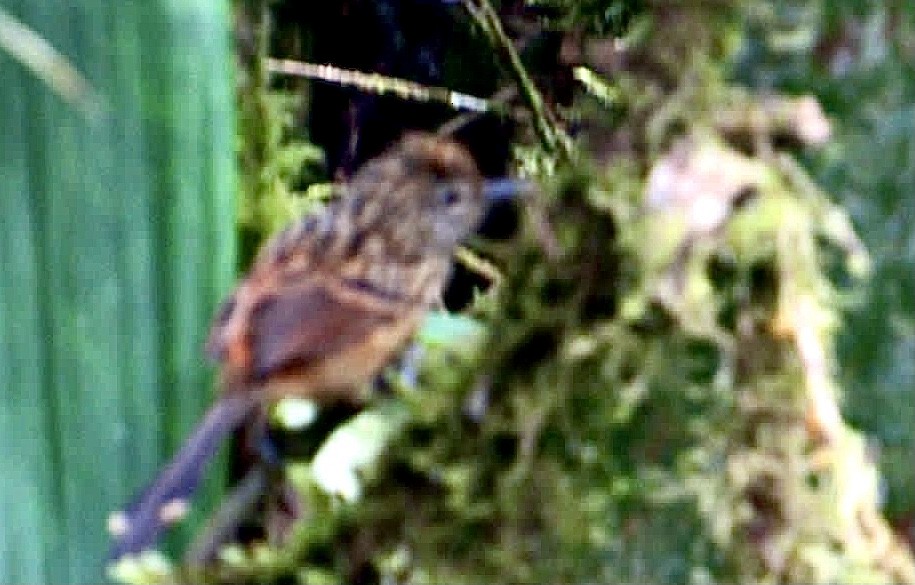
x: 330, y: 300
x: 328, y: 303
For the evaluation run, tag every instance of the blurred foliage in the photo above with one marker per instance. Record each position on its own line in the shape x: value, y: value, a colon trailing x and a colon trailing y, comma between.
x: 648, y: 392
x: 115, y: 221
x: 859, y: 57
x: 272, y: 159
x: 592, y: 16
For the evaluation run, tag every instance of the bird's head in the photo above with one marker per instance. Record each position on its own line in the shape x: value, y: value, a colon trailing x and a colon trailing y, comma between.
x: 423, y: 196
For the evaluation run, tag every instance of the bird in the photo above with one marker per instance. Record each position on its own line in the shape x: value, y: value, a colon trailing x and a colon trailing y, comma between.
x: 327, y: 303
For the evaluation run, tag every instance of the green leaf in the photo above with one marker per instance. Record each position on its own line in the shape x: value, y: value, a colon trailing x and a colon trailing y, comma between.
x: 117, y: 241
x: 447, y: 329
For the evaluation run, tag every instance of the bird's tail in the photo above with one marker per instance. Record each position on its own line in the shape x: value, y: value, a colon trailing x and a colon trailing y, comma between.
x: 136, y: 527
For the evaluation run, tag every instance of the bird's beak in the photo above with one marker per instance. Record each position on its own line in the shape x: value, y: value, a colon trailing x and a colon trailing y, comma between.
x: 498, y: 190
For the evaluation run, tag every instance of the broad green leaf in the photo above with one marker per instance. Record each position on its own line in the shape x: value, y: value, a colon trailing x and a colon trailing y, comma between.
x: 116, y: 241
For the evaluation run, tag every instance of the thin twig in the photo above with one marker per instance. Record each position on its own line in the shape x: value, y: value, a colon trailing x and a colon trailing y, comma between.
x: 554, y: 139
x: 381, y: 84
x: 503, y: 96
x: 232, y: 512
x: 479, y: 265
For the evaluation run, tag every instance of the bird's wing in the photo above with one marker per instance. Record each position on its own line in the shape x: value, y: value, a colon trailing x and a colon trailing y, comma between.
x: 308, y: 323
x: 296, y: 325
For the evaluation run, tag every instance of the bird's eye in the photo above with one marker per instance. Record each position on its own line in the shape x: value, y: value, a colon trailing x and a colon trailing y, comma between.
x: 449, y: 195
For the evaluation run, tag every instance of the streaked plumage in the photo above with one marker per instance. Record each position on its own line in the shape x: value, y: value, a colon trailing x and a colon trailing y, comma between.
x: 332, y: 298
